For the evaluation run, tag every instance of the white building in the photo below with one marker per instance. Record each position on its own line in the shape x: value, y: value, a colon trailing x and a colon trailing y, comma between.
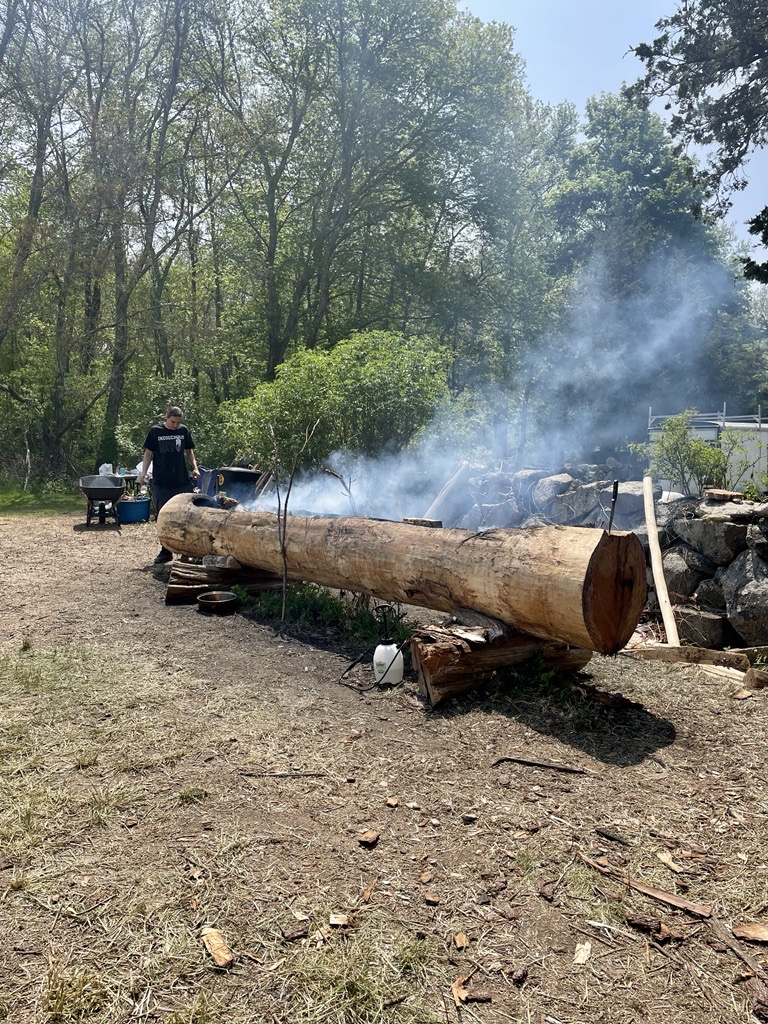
x: 747, y: 465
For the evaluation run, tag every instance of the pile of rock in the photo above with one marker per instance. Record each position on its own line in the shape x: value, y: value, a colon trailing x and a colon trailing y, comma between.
x: 716, y: 570
x: 715, y: 553
x: 575, y: 496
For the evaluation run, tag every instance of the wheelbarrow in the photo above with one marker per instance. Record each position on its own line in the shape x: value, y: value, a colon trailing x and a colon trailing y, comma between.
x: 102, y: 494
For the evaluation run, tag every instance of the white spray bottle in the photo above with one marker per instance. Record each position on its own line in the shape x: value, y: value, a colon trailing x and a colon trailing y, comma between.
x: 387, y: 658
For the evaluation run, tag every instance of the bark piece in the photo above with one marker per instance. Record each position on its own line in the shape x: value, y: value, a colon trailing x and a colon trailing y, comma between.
x: 214, y: 942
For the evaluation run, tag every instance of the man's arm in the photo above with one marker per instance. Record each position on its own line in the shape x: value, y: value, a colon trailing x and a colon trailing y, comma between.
x: 144, y: 465
x: 192, y: 462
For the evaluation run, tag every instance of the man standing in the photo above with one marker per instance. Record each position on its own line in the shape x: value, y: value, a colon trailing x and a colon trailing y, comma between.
x: 171, y: 450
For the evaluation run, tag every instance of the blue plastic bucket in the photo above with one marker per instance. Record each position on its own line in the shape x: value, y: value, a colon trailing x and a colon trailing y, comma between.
x: 134, y: 511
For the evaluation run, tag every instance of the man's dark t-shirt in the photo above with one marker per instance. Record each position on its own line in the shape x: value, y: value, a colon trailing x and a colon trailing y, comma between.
x: 169, y: 465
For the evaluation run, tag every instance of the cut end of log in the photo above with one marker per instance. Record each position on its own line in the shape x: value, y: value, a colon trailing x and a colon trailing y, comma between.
x: 614, y: 591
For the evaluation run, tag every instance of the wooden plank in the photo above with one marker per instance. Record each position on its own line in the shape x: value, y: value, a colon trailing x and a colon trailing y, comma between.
x: 657, y: 566
x: 690, y: 656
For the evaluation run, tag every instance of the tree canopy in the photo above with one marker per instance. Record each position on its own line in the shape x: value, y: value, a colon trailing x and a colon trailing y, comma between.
x: 196, y: 195
x: 710, y: 63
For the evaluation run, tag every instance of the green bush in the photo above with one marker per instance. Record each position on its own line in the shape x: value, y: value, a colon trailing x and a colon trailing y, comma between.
x: 678, y: 455
x: 370, y: 393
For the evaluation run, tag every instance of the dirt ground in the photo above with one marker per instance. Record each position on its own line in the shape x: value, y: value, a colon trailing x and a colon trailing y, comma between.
x: 206, y: 770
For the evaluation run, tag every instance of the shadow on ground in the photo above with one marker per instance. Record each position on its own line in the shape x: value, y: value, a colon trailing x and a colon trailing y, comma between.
x: 605, y: 725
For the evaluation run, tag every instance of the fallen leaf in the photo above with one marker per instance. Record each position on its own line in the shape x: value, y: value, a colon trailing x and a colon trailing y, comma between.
x: 358, y: 734
x: 751, y: 931
x: 583, y: 951
x: 459, y: 993
x: 458, y: 988
x: 300, y: 915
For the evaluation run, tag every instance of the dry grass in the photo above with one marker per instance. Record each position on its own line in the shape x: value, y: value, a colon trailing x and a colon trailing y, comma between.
x: 138, y: 805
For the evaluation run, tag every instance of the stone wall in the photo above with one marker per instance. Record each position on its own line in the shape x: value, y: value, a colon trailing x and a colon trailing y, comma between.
x: 715, y: 554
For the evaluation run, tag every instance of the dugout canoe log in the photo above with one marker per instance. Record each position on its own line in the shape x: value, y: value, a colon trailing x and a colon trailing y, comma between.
x: 577, y: 586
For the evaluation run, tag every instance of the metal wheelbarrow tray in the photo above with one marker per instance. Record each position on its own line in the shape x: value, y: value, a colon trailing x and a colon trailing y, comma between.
x: 102, y: 494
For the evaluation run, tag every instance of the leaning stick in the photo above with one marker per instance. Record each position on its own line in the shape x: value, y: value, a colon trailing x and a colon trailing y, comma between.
x: 657, y: 566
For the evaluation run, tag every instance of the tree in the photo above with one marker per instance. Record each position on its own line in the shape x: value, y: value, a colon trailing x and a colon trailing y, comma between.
x: 363, y: 124
x: 646, y: 279
x: 710, y: 62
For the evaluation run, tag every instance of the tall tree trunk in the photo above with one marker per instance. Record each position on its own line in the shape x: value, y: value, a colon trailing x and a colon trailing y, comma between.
x: 28, y: 228
x: 107, y: 451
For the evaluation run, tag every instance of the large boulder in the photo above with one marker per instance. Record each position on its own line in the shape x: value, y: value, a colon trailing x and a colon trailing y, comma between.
x: 684, y: 569
x: 629, y: 500
x: 578, y: 504
x: 586, y: 472
x: 506, y: 514
x: 492, y: 488
x: 700, y: 627
x: 745, y: 588
x: 757, y: 538
x: 709, y: 593
x: 522, y: 484
x: 718, y: 541
x: 546, y: 490
x: 734, y: 511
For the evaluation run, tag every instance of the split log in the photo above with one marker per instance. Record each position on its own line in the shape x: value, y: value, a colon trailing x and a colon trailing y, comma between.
x: 756, y: 679
x: 581, y: 587
x: 450, y: 660
x: 187, y: 581
x: 451, y: 501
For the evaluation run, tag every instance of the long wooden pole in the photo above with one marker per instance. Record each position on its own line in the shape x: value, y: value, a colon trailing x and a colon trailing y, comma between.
x: 578, y: 586
x: 657, y: 566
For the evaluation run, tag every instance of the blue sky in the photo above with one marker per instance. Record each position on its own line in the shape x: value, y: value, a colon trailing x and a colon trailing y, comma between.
x: 574, y: 49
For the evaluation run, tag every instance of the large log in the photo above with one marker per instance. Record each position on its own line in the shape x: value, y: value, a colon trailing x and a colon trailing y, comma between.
x: 578, y: 586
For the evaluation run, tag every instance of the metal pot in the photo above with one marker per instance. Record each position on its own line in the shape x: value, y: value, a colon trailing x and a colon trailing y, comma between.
x: 217, y: 602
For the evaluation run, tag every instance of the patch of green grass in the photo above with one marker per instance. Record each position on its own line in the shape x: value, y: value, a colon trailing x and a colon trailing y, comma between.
x: 308, y: 604
x: 192, y: 795
x: 71, y: 997
x: 354, y: 979
x: 39, y: 500
x: 204, y: 1009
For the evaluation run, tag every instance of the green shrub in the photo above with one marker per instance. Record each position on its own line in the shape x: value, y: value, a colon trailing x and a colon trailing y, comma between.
x: 371, y: 392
